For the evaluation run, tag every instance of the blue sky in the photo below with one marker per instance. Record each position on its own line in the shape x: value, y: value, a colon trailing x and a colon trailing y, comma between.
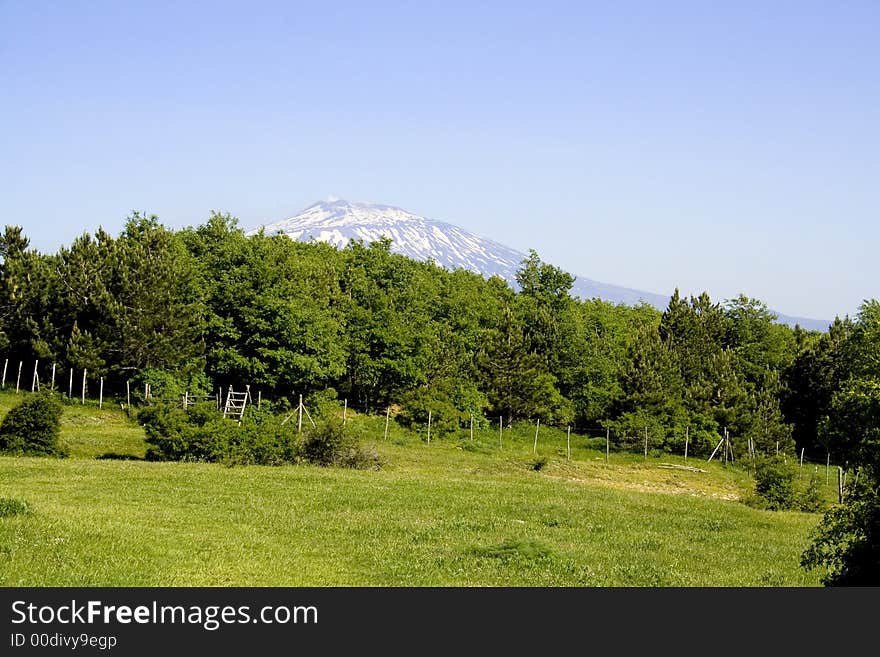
x: 727, y: 147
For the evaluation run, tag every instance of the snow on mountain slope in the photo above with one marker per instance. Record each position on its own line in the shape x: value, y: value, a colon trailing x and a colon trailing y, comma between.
x: 339, y: 221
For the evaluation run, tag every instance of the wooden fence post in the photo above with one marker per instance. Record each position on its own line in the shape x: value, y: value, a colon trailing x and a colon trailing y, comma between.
x: 537, y: 426
x: 52, y: 385
x: 387, y: 416
x: 127, y: 394
x: 5, y: 365
x: 70, y: 385
x: 717, y: 447
x: 299, y: 421
x: 84, y: 387
x: 34, y: 377
x: 18, y: 380
x: 568, y: 443
x: 429, y: 427
x: 345, y: 412
x: 101, y: 394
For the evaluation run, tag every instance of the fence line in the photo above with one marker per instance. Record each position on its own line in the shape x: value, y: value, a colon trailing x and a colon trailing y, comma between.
x: 120, y: 391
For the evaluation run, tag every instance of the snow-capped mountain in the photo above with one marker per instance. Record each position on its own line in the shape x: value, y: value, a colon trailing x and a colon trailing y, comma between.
x: 339, y: 221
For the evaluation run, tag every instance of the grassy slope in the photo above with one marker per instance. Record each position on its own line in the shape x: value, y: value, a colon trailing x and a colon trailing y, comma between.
x: 448, y: 513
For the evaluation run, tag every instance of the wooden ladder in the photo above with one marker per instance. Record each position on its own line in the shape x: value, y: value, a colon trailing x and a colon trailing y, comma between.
x: 236, y: 403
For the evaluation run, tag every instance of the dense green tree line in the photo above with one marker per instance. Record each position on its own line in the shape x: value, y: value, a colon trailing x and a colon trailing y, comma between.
x: 214, y: 307
x: 841, y: 373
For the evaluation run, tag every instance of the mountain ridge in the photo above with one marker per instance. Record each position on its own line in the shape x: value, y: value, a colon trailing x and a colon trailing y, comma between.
x: 337, y: 221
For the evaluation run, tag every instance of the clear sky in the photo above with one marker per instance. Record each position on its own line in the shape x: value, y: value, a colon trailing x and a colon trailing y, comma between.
x: 726, y: 146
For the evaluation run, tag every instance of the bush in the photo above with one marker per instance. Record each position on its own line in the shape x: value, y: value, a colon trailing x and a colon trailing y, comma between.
x: 775, y: 483
x: 628, y: 432
x: 177, y: 435
x: 810, y: 499
x: 327, y: 444
x: 201, y: 433
x: 323, y: 404
x: 445, y: 417
x: 777, y: 487
x: 847, y: 541
x: 33, y: 427
x: 261, y: 439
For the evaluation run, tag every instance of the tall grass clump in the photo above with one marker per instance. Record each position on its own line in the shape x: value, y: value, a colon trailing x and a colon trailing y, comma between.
x: 10, y: 506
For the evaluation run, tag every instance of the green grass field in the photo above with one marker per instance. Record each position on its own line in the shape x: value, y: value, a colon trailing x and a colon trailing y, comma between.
x: 452, y: 513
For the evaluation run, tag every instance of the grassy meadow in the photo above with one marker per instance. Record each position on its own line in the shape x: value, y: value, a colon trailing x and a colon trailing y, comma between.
x: 454, y: 512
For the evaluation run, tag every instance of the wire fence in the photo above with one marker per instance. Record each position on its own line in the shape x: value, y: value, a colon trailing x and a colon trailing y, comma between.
x: 79, y: 386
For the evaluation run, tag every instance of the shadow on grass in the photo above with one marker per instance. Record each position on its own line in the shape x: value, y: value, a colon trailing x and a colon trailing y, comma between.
x: 115, y: 456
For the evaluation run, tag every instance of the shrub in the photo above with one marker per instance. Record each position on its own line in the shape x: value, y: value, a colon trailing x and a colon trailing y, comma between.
x: 775, y: 483
x: 9, y: 506
x: 327, y: 444
x: 33, y: 427
x: 322, y: 444
x: 537, y: 464
x: 847, y: 541
x: 628, y: 432
x: 177, y: 435
x: 261, y: 439
x: 778, y: 487
x: 201, y: 433
x: 445, y: 417
x: 810, y: 499
x: 324, y: 404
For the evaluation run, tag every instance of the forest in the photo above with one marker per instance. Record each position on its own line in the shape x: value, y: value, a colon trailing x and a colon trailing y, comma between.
x: 207, y: 307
